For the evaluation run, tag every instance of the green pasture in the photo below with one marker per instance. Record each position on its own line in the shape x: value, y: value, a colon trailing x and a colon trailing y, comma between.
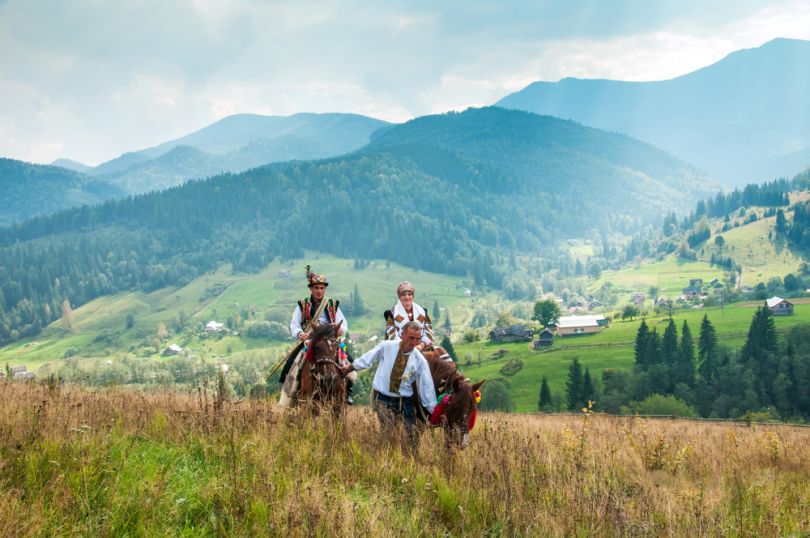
x: 99, y: 327
x: 760, y: 257
x: 670, y: 276
x: 611, y: 348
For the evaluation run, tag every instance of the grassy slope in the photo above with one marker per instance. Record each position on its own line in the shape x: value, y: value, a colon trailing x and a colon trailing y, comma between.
x: 612, y: 348
x: 272, y: 291
x: 670, y: 276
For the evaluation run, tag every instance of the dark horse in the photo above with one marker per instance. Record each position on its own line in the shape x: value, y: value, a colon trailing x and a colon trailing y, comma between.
x: 456, y: 415
x: 321, y: 380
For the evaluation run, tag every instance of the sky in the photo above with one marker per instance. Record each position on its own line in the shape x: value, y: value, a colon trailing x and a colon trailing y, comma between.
x: 89, y: 79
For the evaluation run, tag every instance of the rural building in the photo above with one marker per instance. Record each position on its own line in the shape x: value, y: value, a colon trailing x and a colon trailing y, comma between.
x: 18, y: 369
x: 575, y: 325
x: 546, y: 338
x: 2, y: 374
x: 25, y: 375
x: 214, y: 326
x: 779, y: 306
x: 515, y: 333
x: 467, y: 293
x: 173, y: 349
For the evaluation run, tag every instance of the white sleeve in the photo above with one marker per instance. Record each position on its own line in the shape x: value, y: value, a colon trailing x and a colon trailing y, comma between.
x: 369, y: 358
x: 341, y: 320
x: 295, y: 322
x: 427, y: 392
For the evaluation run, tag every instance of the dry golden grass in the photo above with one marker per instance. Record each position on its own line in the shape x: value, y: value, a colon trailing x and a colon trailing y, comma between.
x: 119, y: 462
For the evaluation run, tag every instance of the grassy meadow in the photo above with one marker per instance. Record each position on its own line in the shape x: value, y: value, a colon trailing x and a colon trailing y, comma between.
x: 99, y: 328
x: 118, y: 462
x: 611, y: 348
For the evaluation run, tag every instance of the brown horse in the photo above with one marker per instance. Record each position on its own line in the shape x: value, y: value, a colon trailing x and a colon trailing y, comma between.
x: 457, y: 413
x: 321, y: 380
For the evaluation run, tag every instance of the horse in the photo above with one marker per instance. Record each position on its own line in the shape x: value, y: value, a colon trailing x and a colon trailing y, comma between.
x: 321, y: 379
x: 458, y: 406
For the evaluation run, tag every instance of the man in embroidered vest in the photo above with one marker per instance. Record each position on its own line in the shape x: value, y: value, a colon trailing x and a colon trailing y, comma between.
x: 301, y: 326
x: 407, y: 310
x: 400, y: 365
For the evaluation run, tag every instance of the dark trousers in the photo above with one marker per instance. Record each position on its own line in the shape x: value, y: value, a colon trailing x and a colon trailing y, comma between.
x: 391, y: 411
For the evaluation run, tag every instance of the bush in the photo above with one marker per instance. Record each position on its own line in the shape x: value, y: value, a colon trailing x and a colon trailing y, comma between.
x: 267, y: 329
x: 512, y: 367
x: 657, y: 404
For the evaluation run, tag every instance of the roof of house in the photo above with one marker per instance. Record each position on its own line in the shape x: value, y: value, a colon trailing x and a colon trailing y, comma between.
x: 579, y: 321
x: 773, y: 301
x: 518, y: 330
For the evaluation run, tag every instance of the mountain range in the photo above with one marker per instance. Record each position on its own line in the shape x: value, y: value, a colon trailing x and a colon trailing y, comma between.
x: 235, y: 144
x: 743, y: 119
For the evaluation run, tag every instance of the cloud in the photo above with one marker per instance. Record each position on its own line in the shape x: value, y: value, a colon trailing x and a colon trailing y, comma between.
x: 89, y: 80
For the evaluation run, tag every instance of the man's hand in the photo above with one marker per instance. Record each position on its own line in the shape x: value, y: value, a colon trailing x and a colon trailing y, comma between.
x: 346, y: 370
x: 302, y: 335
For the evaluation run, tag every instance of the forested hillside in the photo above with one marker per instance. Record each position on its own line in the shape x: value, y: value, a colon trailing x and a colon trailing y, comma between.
x: 29, y: 190
x: 430, y: 205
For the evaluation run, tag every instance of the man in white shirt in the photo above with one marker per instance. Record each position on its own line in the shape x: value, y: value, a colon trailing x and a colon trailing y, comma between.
x: 400, y: 366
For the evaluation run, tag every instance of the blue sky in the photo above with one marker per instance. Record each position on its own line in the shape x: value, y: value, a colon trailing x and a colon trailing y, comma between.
x: 89, y: 80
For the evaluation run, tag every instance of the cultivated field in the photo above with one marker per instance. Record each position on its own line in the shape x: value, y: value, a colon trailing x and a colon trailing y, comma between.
x: 118, y: 462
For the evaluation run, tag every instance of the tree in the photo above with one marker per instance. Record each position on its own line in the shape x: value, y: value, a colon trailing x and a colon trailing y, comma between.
x: 640, y: 348
x: 496, y: 397
x: 547, y: 312
x: 595, y: 270
x: 357, y: 306
x: 574, y: 386
x: 544, y: 404
x: 781, y: 222
x: 630, y: 311
x: 67, y: 315
x: 707, y: 350
x: 684, y: 370
x: 130, y: 323
x: 436, y: 311
x: 447, y: 344
x: 588, y: 388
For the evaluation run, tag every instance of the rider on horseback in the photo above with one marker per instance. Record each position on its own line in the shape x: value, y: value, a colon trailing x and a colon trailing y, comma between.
x: 407, y: 310
x: 310, y: 312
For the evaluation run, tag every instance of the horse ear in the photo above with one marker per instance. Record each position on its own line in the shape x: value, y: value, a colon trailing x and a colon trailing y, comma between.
x: 478, y: 385
x: 456, y: 384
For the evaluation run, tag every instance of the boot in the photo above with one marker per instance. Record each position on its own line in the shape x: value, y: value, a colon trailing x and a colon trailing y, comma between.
x: 349, y: 387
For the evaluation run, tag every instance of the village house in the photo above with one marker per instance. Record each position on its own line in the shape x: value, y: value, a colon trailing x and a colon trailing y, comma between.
x: 576, y: 325
x: 779, y: 306
x: 214, y: 326
x: 544, y: 339
x: 515, y: 333
x: 173, y: 349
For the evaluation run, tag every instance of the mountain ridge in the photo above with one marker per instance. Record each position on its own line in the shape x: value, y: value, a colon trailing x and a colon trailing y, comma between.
x: 741, y: 118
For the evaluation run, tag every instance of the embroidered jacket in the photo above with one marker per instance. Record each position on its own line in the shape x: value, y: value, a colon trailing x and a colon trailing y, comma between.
x: 305, y: 309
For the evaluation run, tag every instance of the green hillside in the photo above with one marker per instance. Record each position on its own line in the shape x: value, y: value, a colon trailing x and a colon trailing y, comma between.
x: 612, y: 348
x: 99, y: 328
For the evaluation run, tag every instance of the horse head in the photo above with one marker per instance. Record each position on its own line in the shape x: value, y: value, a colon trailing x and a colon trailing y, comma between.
x: 323, y: 363
x: 458, y: 399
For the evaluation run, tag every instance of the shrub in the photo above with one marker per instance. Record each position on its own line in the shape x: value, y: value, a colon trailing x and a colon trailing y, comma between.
x: 657, y: 404
x: 512, y: 367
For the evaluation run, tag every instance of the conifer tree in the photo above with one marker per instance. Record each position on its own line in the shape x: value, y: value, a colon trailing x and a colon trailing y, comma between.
x: 642, y: 335
x: 574, y: 386
x: 67, y: 315
x: 544, y: 404
x: 684, y: 371
x: 707, y: 350
x: 447, y: 344
x: 588, y: 388
x: 436, y: 312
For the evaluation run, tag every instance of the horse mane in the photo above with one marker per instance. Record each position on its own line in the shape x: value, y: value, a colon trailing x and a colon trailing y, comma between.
x: 444, y: 372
